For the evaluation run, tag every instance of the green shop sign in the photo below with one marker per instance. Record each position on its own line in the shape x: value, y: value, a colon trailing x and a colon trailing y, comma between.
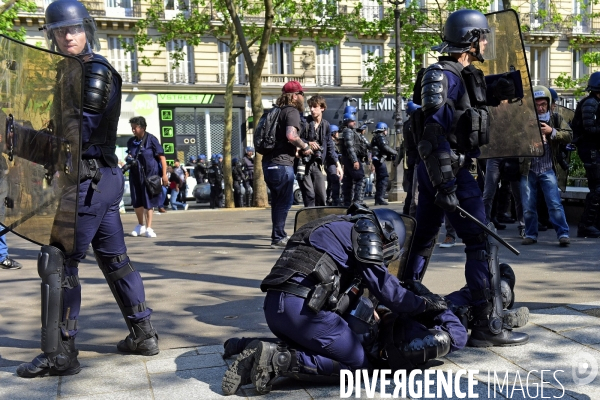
x: 185, y: 98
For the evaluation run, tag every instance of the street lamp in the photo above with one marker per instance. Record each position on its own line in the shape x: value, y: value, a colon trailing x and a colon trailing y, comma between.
x: 397, y: 190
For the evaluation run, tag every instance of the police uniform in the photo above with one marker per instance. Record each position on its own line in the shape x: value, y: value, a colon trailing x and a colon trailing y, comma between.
x: 239, y: 177
x: 98, y: 223
x: 381, y: 151
x: 353, y: 149
x: 452, y: 97
x: 248, y: 164
x: 586, y: 130
x: 215, y: 178
x: 313, y: 297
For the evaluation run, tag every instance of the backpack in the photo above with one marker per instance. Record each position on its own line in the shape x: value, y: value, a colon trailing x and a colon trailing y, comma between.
x: 264, y: 133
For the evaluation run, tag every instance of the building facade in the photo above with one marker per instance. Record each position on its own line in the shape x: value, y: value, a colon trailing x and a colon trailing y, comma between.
x: 184, y: 106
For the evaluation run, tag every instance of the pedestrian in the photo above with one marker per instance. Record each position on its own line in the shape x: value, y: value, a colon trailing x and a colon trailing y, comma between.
x: 586, y: 131
x: 539, y: 172
x: 278, y: 164
x: 7, y: 261
x: 70, y: 29
x: 175, y: 184
x: 150, y: 157
x: 183, y: 175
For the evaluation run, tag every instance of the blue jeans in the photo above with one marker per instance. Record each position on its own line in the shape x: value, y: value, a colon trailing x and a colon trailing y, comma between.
x: 3, y: 248
x: 548, y: 183
x: 280, y: 181
x: 174, y: 202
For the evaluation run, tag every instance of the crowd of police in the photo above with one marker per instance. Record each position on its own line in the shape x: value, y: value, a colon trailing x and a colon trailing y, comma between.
x: 331, y: 301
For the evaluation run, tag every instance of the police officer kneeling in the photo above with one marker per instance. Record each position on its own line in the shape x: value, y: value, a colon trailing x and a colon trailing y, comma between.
x: 314, y: 306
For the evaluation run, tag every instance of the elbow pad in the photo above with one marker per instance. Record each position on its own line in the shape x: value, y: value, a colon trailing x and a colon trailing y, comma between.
x: 97, y: 87
x: 434, y: 88
x: 366, y: 242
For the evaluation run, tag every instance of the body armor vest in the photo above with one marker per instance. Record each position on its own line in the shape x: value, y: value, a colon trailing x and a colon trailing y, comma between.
x: 105, y: 135
x: 590, y: 121
x: 299, y: 256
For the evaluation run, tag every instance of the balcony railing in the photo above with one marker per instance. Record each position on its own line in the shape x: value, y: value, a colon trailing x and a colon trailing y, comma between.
x: 328, y: 80
x: 540, y: 22
x: 577, y: 23
x: 281, y: 78
x: 95, y: 8
x: 129, y: 76
x: 239, y: 80
x: 372, y: 13
x: 179, y: 77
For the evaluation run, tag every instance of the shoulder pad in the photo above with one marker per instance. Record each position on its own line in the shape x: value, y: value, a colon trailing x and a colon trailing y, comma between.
x: 97, y: 87
x: 434, y: 88
x: 366, y: 241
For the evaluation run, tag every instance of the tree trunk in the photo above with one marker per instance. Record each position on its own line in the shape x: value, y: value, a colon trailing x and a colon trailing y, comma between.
x: 231, y: 63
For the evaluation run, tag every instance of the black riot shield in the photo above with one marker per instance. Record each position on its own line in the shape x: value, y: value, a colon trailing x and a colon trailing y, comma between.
x: 514, y: 129
x: 564, y: 156
x: 40, y: 121
x: 395, y: 268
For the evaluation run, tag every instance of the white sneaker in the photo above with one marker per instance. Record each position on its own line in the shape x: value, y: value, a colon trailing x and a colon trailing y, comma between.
x: 150, y: 233
x: 139, y: 230
x: 186, y: 207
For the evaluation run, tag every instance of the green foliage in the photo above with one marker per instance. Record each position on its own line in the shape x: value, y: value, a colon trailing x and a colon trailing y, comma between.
x: 7, y: 18
x: 576, y: 169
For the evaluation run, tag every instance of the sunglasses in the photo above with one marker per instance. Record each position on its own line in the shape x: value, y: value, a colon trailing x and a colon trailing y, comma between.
x: 300, y: 93
x: 71, y: 30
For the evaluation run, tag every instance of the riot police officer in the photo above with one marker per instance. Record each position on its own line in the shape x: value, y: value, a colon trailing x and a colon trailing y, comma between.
x: 586, y: 132
x: 248, y: 164
x: 354, y: 152
x: 334, y: 171
x: 239, y: 177
x: 215, y: 178
x: 200, y: 169
x: 69, y: 29
x: 411, y: 159
x: 453, y: 92
x: 380, y: 152
x: 314, y: 306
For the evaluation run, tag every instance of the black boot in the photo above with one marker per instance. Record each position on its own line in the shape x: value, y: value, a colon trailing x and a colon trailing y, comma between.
x: 432, y: 346
x: 238, y: 373
x: 497, y: 224
x: 64, y: 362
x: 270, y: 361
x: 381, y: 202
x: 235, y: 346
x: 482, y: 336
x: 144, y: 341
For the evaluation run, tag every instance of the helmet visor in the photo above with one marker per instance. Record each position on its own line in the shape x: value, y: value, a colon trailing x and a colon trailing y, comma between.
x: 72, y: 37
x: 487, y: 44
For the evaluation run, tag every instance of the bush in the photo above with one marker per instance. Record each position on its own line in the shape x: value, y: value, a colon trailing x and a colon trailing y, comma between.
x: 576, y: 169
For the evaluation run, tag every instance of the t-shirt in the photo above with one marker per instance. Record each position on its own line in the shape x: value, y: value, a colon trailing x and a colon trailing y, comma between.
x: 285, y: 152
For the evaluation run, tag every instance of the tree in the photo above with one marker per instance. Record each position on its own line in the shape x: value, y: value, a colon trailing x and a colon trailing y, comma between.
x: 9, y: 12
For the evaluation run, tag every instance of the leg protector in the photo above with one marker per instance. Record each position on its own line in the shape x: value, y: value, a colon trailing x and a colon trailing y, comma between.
x: 142, y: 338
x: 425, y: 253
x: 591, y: 212
x: 359, y: 191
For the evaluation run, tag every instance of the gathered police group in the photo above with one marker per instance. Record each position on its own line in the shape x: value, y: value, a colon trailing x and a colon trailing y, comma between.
x: 331, y: 300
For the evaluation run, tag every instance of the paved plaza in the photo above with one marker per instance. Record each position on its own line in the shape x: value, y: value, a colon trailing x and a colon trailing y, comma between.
x: 202, y: 275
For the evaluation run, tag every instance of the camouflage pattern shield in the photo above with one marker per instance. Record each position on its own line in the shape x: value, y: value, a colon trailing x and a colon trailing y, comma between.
x: 395, y: 268
x: 40, y: 117
x: 561, y: 175
x: 514, y: 129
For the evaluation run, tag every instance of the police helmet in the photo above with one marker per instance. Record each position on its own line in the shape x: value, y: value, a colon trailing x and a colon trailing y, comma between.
x: 542, y: 92
x: 411, y: 107
x: 349, y: 117
x: 249, y: 149
x: 350, y: 109
x: 69, y: 17
x: 554, y: 95
x: 215, y: 159
x: 381, y: 126
x: 594, y: 82
x: 219, y: 155
x: 192, y: 158
x: 202, y: 157
x: 463, y: 29
x: 362, y: 128
x: 235, y: 161
x: 334, y: 128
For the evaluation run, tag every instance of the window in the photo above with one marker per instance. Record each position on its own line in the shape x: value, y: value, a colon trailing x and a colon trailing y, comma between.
x: 581, y: 22
x: 418, y: 61
x: 174, y: 7
x: 119, y: 8
x: 183, y: 73
x: 240, y: 71
x: 579, y: 68
x: 538, y: 12
x: 496, y: 5
x: 124, y: 63
x: 280, y: 59
x: 371, y: 10
x: 538, y: 65
x: 369, y: 51
x: 327, y: 68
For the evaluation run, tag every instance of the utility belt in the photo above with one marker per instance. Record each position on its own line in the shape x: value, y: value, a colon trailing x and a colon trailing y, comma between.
x: 89, y: 168
x: 325, y: 294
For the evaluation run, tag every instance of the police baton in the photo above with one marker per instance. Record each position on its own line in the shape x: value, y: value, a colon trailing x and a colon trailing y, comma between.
x: 465, y: 214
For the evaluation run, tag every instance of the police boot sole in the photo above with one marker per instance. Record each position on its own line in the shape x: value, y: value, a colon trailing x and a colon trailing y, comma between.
x: 503, y: 339
x: 261, y: 371
x: 516, y: 318
x: 150, y: 351
x: 238, y: 373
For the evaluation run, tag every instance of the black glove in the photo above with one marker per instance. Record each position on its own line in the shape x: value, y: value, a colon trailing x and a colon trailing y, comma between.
x: 434, y: 303
x: 446, y: 199
x: 504, y: 89
x: 416, y: 287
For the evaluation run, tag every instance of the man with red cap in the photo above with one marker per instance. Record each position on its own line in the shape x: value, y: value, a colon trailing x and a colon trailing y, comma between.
x: 278, y: 165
